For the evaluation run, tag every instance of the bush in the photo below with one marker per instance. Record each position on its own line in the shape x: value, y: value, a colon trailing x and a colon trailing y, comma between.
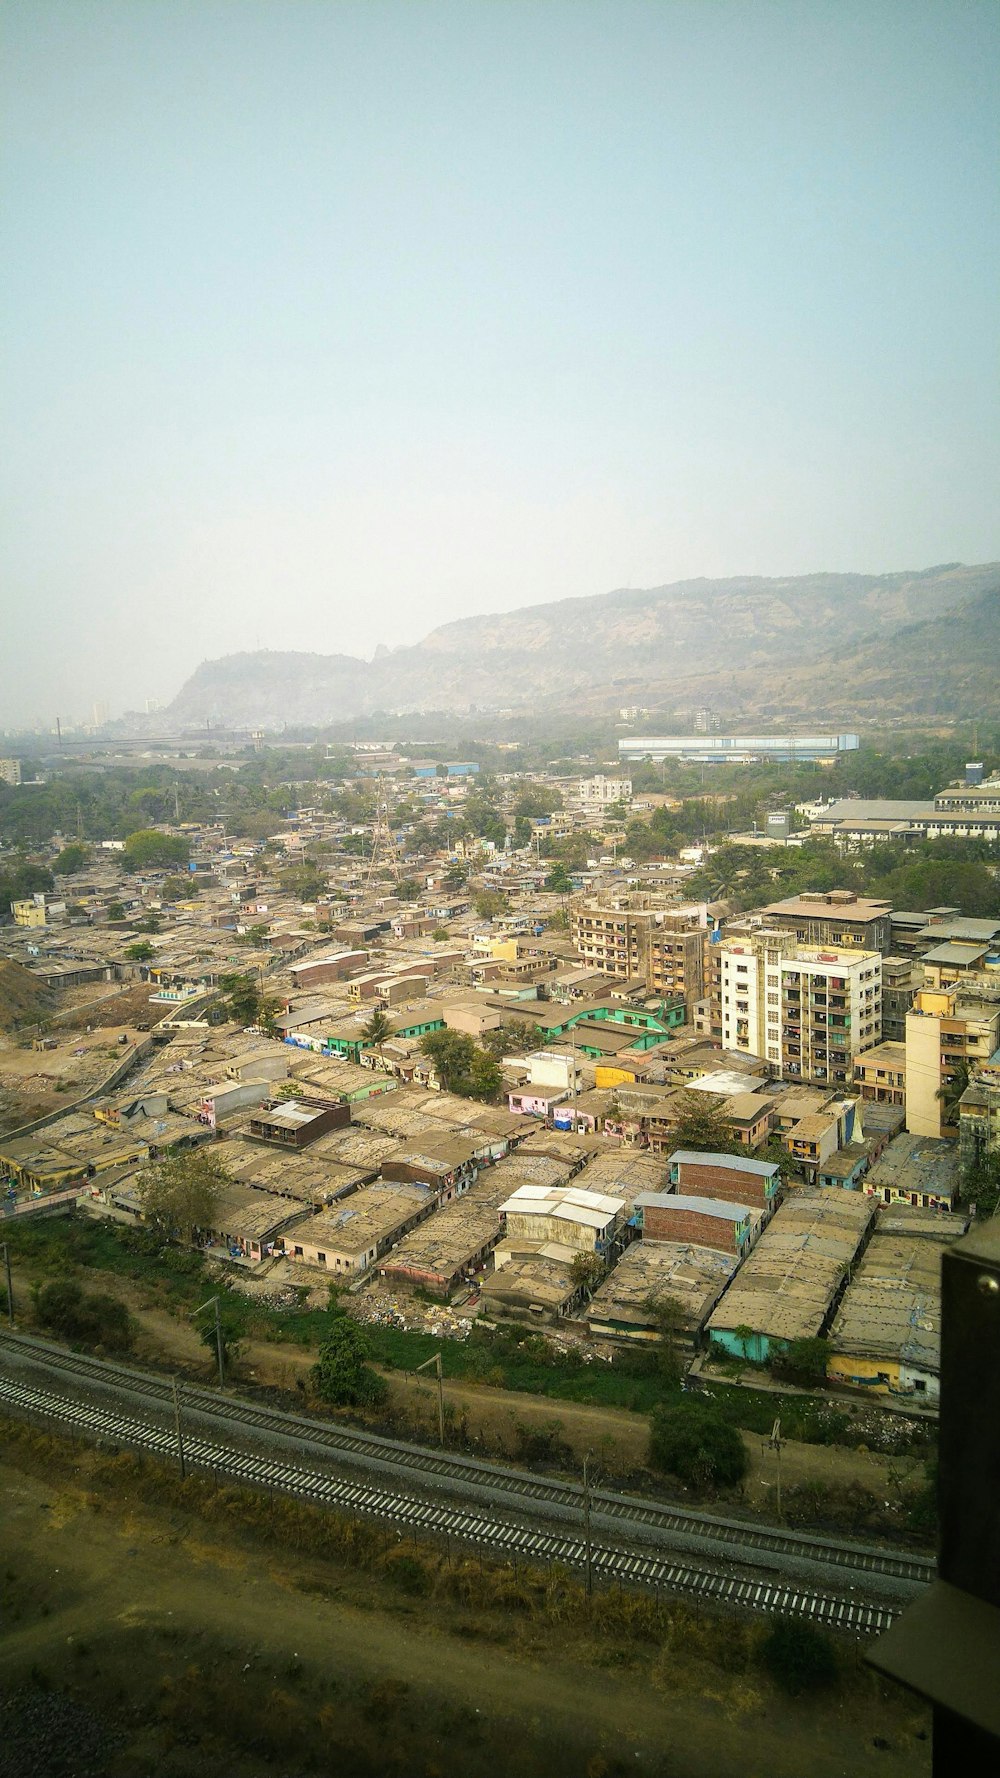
x: 692, y: 1440
x: 798, y: 1657
x: 802, y: 1361
x: 97, y: 1320
x: 341, y: 1375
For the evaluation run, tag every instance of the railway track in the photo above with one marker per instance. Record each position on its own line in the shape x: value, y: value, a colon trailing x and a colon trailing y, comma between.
x: 416, y: 1466
x: 502, y: 1539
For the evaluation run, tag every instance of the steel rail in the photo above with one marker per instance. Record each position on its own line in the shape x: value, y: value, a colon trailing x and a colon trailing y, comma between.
x: 420, y: 1465
x: 429, y: 1518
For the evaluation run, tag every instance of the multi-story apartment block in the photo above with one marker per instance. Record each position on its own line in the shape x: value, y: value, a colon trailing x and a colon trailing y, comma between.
x: 664, y: 947
x: 943, y: 1030
x: 809, y: 1012
x: 897, y: 997
x: 601, y: 792
x: 10, y: 771
x: 834, y: 917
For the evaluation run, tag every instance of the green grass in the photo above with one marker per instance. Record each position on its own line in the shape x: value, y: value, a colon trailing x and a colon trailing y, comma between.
x: 517, y: 1361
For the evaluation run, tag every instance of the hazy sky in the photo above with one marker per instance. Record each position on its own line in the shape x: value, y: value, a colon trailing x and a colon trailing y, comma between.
x: 328, y: 322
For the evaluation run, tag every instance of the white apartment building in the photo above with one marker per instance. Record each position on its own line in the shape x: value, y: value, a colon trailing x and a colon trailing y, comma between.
x: 601, y: 792
x: 808, y: 1010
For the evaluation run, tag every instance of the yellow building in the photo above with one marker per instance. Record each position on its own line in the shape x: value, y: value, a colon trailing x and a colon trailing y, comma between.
x: 30, y: 912
x: 943, y: 1029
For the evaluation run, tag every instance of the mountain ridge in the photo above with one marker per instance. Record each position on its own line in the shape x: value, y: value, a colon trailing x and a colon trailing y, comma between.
x: 659, y: 641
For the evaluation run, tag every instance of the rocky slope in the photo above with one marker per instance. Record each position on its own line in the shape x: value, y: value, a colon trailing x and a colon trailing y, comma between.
x: 594, y: 652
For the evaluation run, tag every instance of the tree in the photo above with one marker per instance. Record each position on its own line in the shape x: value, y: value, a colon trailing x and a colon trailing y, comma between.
x: 489, y: 903
x: 140, y: 952
x: 803, y: 1361
x: 408, y: 889
x: 116, y: 910
x: 690, y: 1439
x: 149, y: 923
x: 305, y: 880
x: 340, y: 1374
x: 378, y: 1030
x: 701, y: 1125
x: 744, y: 1334
x: 244, y: 1002
x: 510, y: 1038
x: 178, y: 889
x: 70, y: 859
x: 951, y: 1090
x: 587, y: 1271
x: 559, y: 880
x: 461, y: 1066
x: 180, y: 1195
x: 981, y: 1183
x: 670, y: 1321
x: 147, y: 848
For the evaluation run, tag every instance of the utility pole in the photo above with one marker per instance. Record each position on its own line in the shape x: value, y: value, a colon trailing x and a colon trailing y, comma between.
x: 213, y: 1302
x: 10, y: 1287
x: 776, y: 1441
x: 588, y: 1550
x: 177, y: 1426
x: 436, y: 1362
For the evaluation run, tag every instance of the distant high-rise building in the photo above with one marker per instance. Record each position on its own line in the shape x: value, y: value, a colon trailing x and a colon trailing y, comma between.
x: 99, y: 713
x: 10, y: 771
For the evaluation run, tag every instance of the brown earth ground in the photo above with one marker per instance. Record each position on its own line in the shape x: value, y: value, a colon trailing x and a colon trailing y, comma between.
x: 617, y: 1438
x: 36, y: 1082
x: 196, y: 1640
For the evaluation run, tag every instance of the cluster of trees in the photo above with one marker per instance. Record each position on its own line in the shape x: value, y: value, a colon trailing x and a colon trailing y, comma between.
x: 461, y: 1066
x: 931, y: 874
x: 21, y: 880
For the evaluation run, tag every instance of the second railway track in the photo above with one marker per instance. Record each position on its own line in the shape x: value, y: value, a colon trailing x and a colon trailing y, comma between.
x: 410, y: 1467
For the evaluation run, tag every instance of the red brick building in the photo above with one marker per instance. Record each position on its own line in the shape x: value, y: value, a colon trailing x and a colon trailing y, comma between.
x: 703, y: 1222
x: 731, y: 1178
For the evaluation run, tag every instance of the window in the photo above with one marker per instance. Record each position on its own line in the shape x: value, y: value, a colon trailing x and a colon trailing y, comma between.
x: 321, y: 1257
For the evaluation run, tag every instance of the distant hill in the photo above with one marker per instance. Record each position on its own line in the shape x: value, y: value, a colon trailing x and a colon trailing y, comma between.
x: 945, y: 667
x: 597, y: 652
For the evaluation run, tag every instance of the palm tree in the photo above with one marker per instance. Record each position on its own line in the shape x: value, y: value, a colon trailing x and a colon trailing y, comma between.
x: 950, y: 1092
x: 377, y: 1030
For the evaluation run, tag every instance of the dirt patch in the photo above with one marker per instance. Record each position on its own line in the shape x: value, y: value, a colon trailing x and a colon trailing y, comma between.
x: 23, y: 998
x: 200, y: 1650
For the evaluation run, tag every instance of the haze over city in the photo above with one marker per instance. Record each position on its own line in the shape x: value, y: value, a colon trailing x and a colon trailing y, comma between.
x: 330, y: 323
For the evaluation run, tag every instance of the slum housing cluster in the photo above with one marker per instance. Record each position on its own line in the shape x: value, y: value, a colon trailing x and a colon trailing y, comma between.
x: 823, y: 1030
